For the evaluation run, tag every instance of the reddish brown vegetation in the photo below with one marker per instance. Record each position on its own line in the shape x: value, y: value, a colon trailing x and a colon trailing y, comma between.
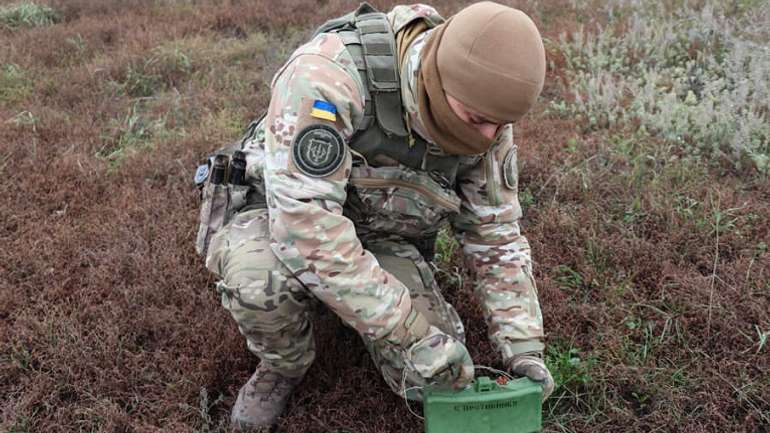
x: 108, y: 320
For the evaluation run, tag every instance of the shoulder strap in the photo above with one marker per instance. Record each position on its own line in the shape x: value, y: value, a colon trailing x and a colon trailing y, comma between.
x: 345, y: 22
x: 378, y: 45
x: 369, y: 39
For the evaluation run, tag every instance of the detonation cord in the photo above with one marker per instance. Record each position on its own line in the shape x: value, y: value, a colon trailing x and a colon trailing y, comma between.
x: 405, y: 390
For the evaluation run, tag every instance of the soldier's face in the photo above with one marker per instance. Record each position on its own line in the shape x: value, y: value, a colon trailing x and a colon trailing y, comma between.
x: 487, y: 127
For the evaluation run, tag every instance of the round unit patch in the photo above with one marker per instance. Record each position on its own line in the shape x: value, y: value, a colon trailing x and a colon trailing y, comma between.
x: 318, y: 150
x: 510, y: 169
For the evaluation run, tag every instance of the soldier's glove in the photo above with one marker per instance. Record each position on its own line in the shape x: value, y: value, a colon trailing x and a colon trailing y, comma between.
x: 533, y: 367
x: 439, y: 358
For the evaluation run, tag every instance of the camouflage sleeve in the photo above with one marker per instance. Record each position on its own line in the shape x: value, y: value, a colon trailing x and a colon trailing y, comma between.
x: 488, y: 229
x: 309, y: 234
x: 402, y: 15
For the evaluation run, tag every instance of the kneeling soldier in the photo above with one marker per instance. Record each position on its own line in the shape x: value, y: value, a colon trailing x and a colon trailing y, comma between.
x: 380, y: 129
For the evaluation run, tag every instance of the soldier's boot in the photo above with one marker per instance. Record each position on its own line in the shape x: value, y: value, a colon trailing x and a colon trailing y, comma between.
x: 262, y: 400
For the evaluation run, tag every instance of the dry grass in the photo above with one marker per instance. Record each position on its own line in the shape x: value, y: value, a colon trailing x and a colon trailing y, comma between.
x: 654, y: 272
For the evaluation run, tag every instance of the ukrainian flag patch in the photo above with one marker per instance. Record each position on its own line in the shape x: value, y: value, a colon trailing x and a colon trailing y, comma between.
x: 324, y: 110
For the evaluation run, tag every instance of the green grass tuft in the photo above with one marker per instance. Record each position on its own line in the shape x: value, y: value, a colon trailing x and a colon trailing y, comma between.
x: 27, y: 14
x: 165, y: 67
x: 446, y: 246
x: 15, y: 85
x: 147, y: 122
x: 570, y: 371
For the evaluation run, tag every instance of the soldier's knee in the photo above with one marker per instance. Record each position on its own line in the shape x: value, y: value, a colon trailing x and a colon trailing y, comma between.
x: 262, y: 298
x: 247, y: 279
x: 253, y: 289
x: 253, y: 267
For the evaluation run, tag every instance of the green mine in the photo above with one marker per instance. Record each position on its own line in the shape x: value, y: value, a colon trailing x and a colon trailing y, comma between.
x: 487, y: 406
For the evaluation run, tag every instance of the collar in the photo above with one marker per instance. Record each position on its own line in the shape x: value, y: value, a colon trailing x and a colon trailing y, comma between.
x: 409, y: 74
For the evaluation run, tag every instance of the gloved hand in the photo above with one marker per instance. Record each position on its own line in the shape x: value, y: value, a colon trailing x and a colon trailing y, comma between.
x: 439, y: 358
x: 533, y: 367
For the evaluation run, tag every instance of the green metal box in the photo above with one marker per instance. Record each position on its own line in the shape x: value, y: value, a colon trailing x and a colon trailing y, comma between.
x: 487, y: 406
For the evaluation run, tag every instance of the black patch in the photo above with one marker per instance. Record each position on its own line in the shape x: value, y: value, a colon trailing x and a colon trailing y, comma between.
x: 318, y: 150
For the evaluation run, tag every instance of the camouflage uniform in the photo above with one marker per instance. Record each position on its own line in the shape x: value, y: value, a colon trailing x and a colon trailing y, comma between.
x: 346, y: 238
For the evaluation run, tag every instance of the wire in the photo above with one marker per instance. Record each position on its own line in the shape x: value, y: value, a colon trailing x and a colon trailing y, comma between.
x: 405, y: 389
x: 494, y: 370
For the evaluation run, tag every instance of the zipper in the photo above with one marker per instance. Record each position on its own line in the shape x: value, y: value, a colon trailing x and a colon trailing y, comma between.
x: 382, y: 183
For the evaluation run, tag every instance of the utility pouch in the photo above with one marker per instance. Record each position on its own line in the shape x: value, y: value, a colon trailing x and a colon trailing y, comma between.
x: 215, y: 200
x: 399, y: 200
x: 219, y: 204
x: 225, y: 189
x: 224, y: 192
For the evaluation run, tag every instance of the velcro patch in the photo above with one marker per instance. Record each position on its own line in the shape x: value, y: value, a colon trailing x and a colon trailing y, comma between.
x: 318, y: 150
x: 510, y: 169
x: 324, y: 110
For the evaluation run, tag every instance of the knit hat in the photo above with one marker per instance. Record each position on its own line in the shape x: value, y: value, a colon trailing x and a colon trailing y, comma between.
x: 491, y: 58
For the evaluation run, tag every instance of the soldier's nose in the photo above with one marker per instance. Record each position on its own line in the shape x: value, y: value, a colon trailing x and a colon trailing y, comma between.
x: 488, y: 130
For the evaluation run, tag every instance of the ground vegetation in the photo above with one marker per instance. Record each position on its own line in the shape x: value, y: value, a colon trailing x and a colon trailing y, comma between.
x: 643, y: 176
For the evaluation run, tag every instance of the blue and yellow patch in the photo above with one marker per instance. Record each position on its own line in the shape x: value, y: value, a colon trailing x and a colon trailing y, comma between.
x: 324, y: 110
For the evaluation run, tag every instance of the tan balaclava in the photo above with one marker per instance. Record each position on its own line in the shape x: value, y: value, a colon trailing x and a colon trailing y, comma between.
x: 489, y: 57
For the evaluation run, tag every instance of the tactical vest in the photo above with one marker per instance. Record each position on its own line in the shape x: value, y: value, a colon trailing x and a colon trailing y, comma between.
x: 369, y: 39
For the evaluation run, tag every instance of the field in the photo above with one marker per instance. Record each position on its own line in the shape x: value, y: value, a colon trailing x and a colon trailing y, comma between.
x: 644, y: 178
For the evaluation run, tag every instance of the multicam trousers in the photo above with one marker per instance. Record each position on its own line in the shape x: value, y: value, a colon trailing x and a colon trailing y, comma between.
x: 272, y: 308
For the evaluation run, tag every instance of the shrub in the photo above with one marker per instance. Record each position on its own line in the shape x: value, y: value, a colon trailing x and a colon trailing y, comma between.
x: 695, y: 77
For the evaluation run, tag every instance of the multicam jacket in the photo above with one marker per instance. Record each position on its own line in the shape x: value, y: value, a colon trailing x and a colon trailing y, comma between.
x: 318, y: 222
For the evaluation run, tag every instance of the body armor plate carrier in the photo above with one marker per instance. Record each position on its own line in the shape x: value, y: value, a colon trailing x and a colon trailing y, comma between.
x: 369, y: 39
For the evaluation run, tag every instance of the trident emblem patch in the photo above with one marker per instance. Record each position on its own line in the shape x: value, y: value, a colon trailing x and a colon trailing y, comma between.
x: 318, y: 150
